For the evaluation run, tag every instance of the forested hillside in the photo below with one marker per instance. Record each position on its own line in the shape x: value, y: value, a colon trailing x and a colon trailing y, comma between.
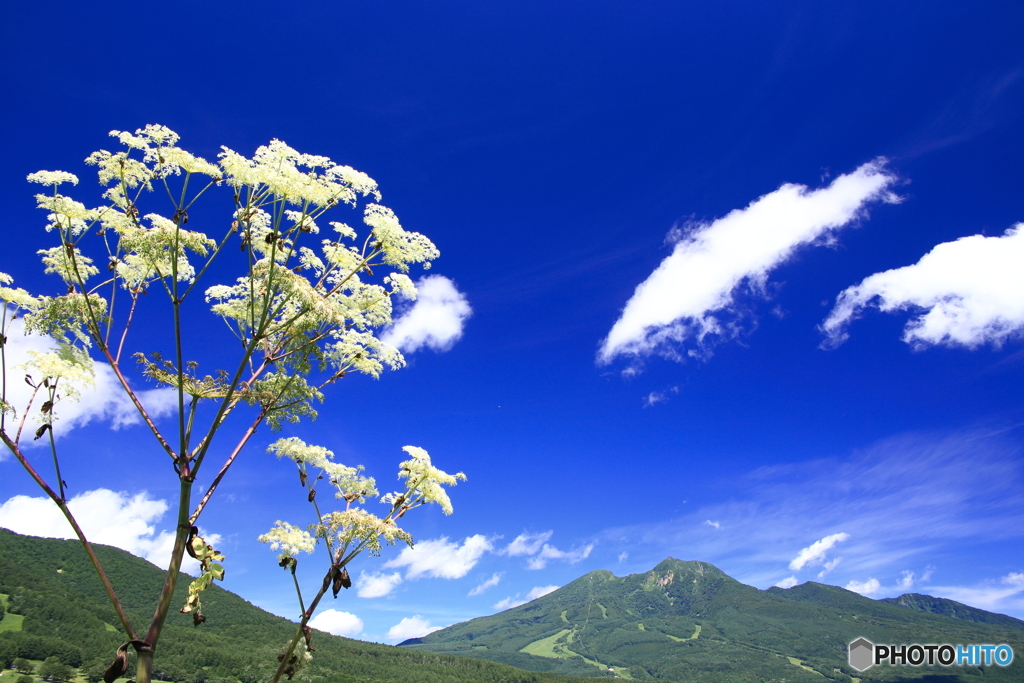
x: 65, y: 613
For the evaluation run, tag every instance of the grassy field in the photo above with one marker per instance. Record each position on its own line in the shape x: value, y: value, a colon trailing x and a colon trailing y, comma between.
x: 553, y: 648
x: 550, y: 646
x: 10, y: 622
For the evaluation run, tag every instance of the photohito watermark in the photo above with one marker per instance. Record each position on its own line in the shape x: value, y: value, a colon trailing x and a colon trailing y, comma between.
x: 864, y: 654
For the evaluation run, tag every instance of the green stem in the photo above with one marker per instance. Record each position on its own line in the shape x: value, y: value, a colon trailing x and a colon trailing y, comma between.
x: 53, y: 446
x: 306, y: 616
x: 144, y: 672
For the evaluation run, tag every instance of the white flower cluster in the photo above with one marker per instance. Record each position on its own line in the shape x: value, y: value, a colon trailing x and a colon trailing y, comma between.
x: 64, y: 316
x: 148, y: 252
x: 52, y: 177
x: 158, y: 143
x: 16, y: 296
x: 426, y: 482
x: 68, y: 262
x: 289, y: 539
x: 68, y: 365
x: 275, y: 168
x: 66, y: 214
x: 399, y: 246
x: 354, y: 528
x: 346, y: 480
x: 358, y: 527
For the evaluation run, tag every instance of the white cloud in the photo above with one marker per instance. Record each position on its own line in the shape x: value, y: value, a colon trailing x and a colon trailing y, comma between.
x: 338, y: 623
x: 105, y: 400
x: 1000, y: 596
x: 964, y: 293
x: 656, y: 397
x: 907, y: 582
x: 788, y: 582
x: 106, y: 517
x: 815, y: 552
x: 623, y: 555
x: 526, y: 544
x: 410, y: 627
x: 540, y: 591
x: 716, y: 525
x: 869, y: 587
x: 1014, y: 579
x: 508, y: 603
x: 489, y: 583
x: 535, y: 592
x: 440, y: 558
x: 829, y: 566
x: 537, y: 546
x: 691, y: 295
x: 435, y: 321
x: 904, y: 501
x: 548, y: 552
x: 376, y: 584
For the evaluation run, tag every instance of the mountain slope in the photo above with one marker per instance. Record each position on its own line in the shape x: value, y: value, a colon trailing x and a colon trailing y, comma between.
x: 952, y: 608
x: 52, y: 585
x: 689, y: 621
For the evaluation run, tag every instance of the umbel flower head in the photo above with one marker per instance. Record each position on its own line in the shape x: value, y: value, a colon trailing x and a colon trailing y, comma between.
x: 355, y: 529
x: 426, y: 482
x: 16, y: 297
x: 289, y: 539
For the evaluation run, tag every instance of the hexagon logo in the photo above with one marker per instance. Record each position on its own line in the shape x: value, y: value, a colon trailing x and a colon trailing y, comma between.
x: 862, y: 654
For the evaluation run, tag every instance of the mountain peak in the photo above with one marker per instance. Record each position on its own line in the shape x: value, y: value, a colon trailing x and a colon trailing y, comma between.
x: 688, y: 566
x: 686, y: 620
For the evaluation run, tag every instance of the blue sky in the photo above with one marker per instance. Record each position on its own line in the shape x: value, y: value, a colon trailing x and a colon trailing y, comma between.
x: 733, y: 282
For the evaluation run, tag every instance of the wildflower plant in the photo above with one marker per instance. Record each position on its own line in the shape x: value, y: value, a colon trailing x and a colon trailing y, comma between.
x: 304, y: 310
x: 349, y: 531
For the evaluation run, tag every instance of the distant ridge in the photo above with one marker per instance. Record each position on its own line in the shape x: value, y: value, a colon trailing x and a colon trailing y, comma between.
x: 952, y: 608
x: 689, y: 621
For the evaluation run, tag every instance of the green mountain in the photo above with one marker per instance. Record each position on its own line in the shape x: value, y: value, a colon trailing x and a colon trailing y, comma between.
x: 689, y: 621
x: 55, y: 606
x: 952, y: 608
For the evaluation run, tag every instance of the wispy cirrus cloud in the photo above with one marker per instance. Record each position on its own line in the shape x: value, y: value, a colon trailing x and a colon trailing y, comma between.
x: 489, y: 583
x: 905, y: 503
x: 966, y: 293
x: 688, y: 302
x: 656, y: 397
x: 1000, y: 594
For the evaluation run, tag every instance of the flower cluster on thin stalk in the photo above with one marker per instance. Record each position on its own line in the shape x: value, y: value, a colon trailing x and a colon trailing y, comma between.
x: 352, y: 529
x: 304, y: 311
